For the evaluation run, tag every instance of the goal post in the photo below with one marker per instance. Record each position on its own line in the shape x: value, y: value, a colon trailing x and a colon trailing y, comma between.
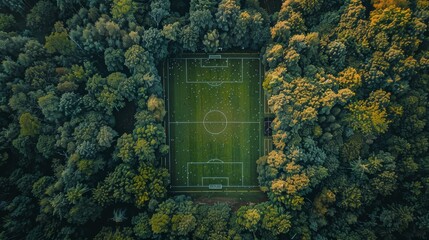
x: 214, y: 63
x: 215, y: 56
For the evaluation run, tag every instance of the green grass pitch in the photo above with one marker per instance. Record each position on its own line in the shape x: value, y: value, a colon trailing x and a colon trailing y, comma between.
x: 215, y: 121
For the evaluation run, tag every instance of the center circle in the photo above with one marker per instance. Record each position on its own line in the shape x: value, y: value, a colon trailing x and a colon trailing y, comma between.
x: 215, y: 122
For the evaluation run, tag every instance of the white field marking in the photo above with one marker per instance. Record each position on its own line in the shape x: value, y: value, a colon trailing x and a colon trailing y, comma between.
x: 202, y: 179
x: 197, y: 163
x: 215, y: 160
x: 168, y: 104
x: 204, y: 122
x: 168, y: 89
x: 215, y: 56
x: 223, y: 163
x: 242, y: 175
x: 242, y: 71
x: 223, y: 66
x: 215, y: 186
x: 212, y: 82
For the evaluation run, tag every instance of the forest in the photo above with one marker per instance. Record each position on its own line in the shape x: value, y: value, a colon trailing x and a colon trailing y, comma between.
x: 82, y: 111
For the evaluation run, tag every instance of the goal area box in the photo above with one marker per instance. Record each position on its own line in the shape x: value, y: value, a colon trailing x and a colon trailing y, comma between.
x: 205, y: 70
x: 215, y: 172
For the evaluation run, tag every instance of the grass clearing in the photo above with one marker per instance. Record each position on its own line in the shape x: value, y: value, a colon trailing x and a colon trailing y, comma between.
x: 215, y: 121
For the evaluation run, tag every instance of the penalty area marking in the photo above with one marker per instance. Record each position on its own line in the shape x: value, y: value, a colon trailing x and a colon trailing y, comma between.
x: 215, y: 160
x: 215, y: 84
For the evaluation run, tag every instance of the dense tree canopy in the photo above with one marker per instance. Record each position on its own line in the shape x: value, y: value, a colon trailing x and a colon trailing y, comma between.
x: 347, y: 82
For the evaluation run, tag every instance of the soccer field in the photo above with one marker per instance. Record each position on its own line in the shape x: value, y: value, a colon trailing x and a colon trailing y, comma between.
x: 215, y: 121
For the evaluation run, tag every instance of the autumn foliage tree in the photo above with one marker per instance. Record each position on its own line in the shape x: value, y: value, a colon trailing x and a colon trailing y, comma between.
x: 82, y: 111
